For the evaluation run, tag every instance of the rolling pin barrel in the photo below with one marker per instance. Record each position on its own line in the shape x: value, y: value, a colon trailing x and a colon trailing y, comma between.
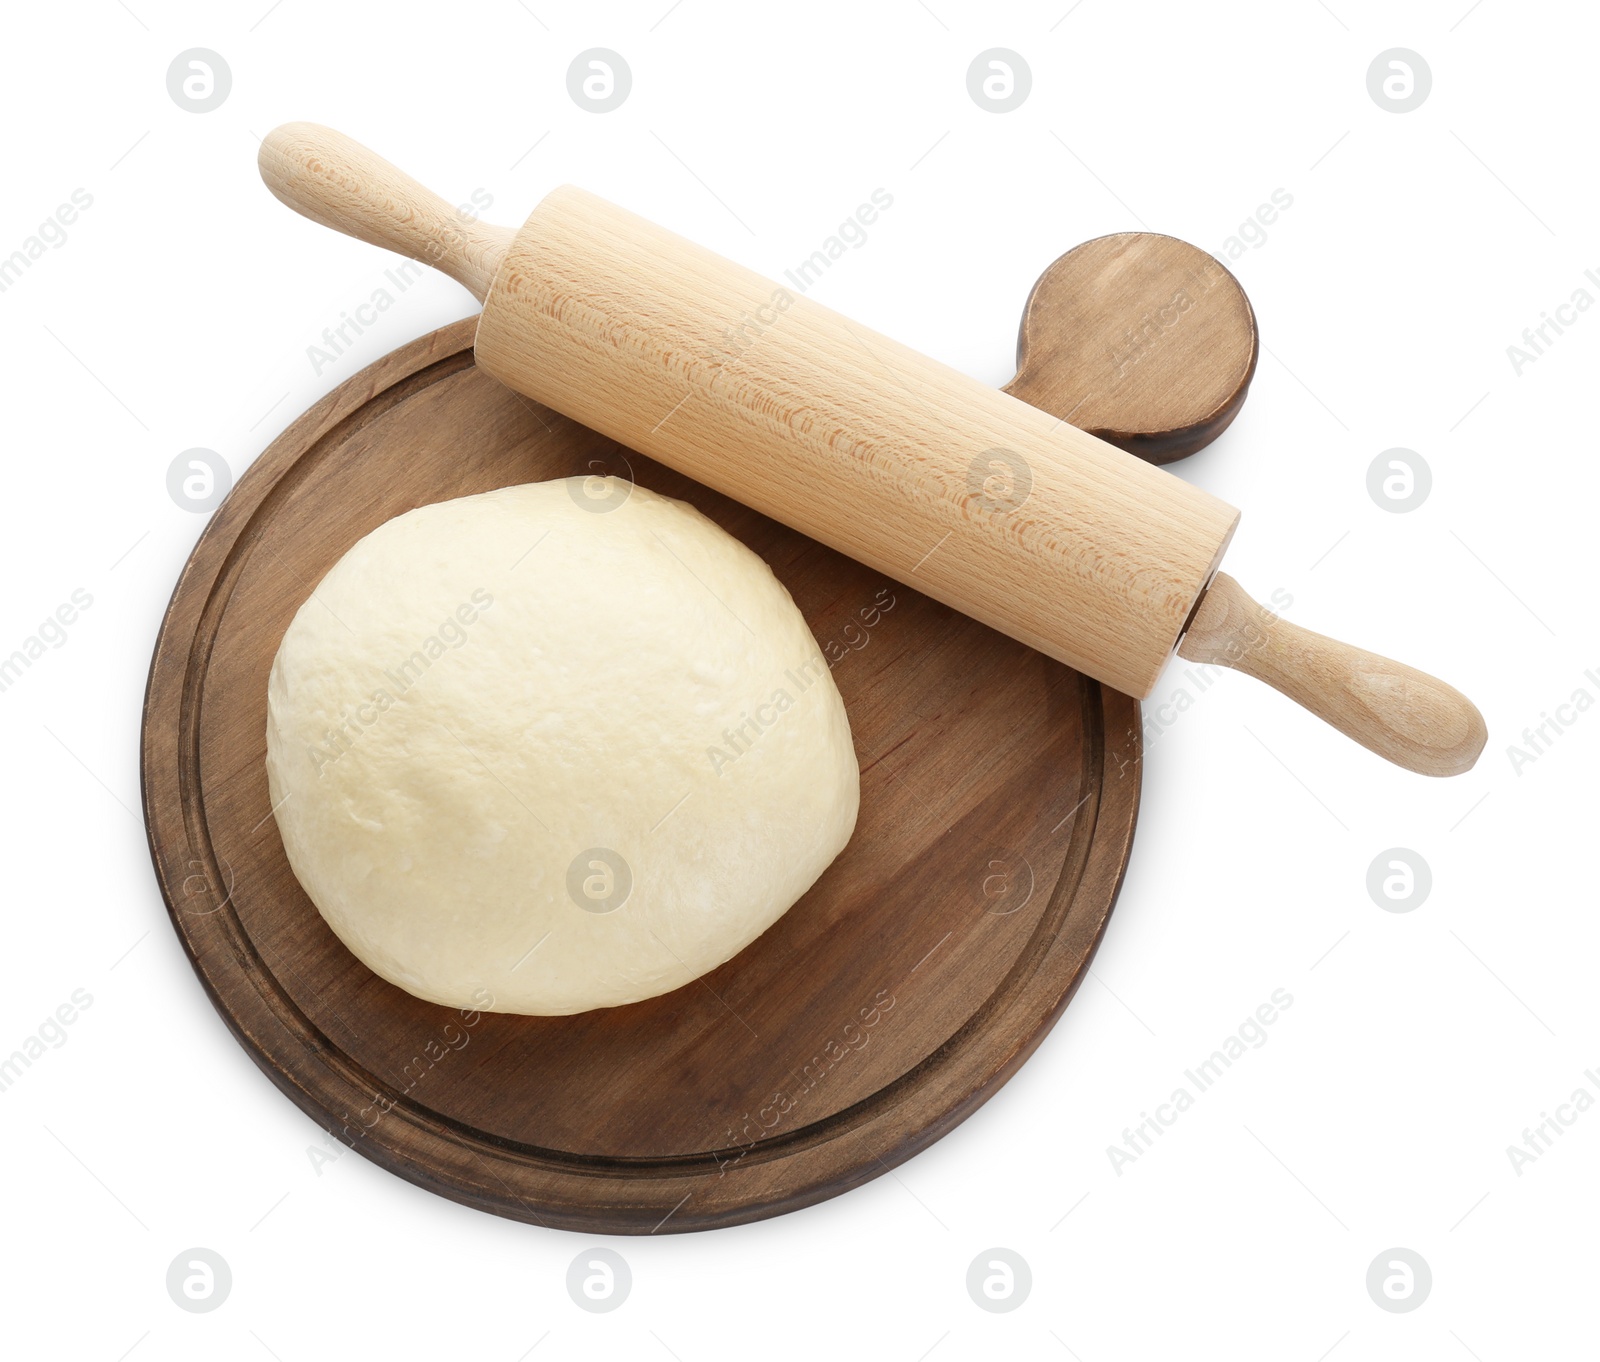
x: 963, y: 492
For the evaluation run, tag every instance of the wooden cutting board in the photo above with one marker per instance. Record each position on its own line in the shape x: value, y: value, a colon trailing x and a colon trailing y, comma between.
x: 998, y: 797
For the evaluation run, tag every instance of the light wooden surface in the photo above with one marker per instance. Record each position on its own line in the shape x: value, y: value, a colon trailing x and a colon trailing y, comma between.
x: 1008, y: 514
x: 999, y: 791
x: 1404, y: 715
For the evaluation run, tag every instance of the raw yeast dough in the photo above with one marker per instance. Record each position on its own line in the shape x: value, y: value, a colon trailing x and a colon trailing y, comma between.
x: 555, y: 747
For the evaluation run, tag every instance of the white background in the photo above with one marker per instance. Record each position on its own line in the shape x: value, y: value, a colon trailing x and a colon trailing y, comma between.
x: 1419, y: 1045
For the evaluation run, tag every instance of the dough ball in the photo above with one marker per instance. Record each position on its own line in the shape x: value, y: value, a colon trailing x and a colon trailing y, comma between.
x: 555, y: 747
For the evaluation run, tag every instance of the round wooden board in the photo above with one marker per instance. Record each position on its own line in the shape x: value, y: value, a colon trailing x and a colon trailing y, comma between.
x: 999, y: 791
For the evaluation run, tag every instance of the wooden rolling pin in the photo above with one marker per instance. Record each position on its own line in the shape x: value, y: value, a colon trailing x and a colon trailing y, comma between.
x: 963, y: 492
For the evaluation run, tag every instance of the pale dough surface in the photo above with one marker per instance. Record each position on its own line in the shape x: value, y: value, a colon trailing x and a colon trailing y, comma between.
x: 497, y: 715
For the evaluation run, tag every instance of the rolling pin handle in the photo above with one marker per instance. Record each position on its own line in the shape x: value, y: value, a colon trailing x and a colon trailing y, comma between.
x: 331, y: 179
x: 1405, y: 716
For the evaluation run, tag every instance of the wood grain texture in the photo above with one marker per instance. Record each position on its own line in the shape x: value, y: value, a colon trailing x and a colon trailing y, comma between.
x: 998, y: 803
x: 1140, y: 339
x: 974, y: 497
x: 1405, y: 716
